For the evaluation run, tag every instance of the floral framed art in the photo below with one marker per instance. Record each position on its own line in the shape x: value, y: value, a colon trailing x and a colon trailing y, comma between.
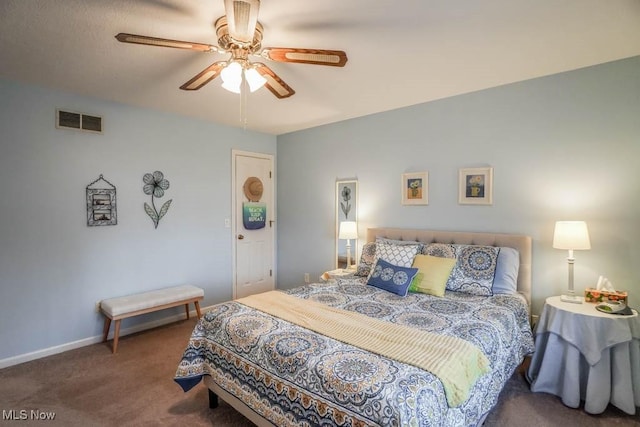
x: 346, y: 210
x: 475, y: 186
x: 415, y: 188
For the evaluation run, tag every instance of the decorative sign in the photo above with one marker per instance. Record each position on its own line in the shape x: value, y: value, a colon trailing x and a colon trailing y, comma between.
x: 254, y: 215
x: 101, y: 204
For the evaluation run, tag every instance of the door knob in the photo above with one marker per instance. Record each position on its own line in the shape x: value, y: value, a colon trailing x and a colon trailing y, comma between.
x: 240, y: 236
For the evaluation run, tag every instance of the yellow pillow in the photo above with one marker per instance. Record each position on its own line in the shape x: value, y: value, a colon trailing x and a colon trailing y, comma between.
x: 433, y: 273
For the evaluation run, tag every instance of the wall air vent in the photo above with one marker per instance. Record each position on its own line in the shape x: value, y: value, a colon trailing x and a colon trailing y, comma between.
x: 78, y: 121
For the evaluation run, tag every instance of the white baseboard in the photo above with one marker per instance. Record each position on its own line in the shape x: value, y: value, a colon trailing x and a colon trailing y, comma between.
x: 38, y: 354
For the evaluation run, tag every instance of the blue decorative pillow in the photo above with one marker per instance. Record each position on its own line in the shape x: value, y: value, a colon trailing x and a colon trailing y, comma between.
x: 475, y: 269
x: 506, y: 278
x: 391, y: 277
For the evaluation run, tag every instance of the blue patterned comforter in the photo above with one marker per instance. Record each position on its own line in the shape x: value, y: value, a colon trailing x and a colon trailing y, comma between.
x: 293, y: 376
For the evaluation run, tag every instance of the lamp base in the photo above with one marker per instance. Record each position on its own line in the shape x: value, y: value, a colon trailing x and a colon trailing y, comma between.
x: 576, y: 299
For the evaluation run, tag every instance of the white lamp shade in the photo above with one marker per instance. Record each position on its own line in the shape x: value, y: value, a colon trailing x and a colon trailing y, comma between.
x: 255, y: 80
x: 232, y: 86
x: 571, y: 235
x: 348, y: 230
x: 232, y: 73
x: 232, y: 77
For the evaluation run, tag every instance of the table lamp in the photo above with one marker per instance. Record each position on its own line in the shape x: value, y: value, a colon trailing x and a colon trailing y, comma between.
x: 571, y: 235
x: 348, y: 230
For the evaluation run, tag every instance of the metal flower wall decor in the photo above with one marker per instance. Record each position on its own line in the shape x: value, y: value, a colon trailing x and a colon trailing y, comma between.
x: 155, y: 185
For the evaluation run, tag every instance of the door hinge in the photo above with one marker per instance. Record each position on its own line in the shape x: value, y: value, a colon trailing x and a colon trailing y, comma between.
x: 269, y: 174
x: 270, y: 273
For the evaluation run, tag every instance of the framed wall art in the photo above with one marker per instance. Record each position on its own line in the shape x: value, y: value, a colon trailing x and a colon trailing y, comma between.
x: 101, y: 203
x: 475, y: 186
x: 415, y: 188
x: 346, y: 211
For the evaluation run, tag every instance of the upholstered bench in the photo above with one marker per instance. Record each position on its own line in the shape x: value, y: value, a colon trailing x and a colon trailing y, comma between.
x: 147, y: 302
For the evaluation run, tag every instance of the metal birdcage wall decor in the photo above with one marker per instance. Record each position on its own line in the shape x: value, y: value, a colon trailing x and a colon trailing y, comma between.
x: 101, y: 204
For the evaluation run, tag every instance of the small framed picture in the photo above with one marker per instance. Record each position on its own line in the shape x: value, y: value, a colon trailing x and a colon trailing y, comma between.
x: 415, y: 188
x: 475, y: 186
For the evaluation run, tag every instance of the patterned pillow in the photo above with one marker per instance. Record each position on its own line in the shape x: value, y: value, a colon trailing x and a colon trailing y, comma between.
x: 400, y: 255
x: 392, y: 278
x: 441, y: 250
x: 396, y: 242
x: 474, y: 270
x: 367, y: 259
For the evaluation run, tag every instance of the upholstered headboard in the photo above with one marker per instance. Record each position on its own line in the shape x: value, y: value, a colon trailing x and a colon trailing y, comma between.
x: 519, y: 242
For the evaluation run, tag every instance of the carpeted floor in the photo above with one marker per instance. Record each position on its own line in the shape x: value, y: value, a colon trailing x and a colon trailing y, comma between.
x: 91, y: 387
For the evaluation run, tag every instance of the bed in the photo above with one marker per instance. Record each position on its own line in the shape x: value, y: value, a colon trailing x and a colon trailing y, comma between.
x: 352, y: 352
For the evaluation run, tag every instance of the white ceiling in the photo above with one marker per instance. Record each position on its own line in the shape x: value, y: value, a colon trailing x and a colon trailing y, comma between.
x: 400, y: 52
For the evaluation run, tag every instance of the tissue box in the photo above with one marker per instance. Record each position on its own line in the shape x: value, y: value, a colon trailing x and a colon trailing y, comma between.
x: 595, y: 295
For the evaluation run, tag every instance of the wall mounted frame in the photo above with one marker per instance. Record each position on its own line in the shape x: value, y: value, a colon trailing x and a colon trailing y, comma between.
x: 415, y: 188
x: 475, y: 186
x: 101, y: 204
x: 346, y: 210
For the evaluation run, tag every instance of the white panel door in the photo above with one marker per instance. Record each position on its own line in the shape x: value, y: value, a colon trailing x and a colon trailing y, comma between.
x: 254, y: 206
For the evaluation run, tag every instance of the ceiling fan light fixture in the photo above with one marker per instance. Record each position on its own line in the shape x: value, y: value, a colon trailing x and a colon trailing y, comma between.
x: 232, y: 77
x: 232, y: 86
x: 232, y: 73
x: 255, y: 80
x: 240, y: 35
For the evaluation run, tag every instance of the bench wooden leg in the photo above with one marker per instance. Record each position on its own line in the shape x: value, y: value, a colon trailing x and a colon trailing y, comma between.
x: 197, y: 304
x: 105, y: 330
x: 186, y: 308
x: 116, y: 335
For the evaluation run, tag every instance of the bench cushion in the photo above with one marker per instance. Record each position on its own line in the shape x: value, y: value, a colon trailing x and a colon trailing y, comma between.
x: 131, y: 303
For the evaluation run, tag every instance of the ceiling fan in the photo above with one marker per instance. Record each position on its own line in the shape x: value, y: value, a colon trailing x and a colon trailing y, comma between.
x: 240, y: 34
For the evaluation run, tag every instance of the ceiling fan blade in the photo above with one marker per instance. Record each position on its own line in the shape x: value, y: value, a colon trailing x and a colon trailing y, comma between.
x: 335, y: 58
x: 154, y: 41
x: 205, y: 76
x: 242, y: 18
x: 275, y: 84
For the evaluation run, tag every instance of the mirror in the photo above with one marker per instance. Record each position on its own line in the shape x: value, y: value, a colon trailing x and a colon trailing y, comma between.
x: 346, y: 223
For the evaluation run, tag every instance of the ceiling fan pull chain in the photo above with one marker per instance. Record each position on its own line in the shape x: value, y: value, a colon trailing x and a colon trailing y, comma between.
x: 243, y: 103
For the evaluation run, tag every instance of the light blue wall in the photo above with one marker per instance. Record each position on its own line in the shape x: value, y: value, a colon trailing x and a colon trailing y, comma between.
x: 562, y: 147
x: 53, y: 268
